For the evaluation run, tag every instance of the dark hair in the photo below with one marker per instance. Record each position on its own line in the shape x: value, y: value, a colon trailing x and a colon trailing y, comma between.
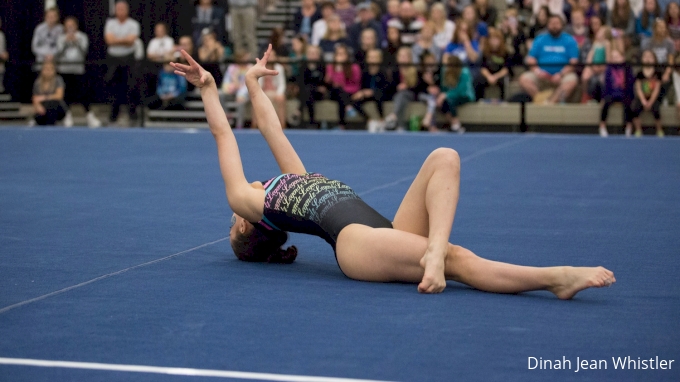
x: 644, y: 16
x: 263, y: 247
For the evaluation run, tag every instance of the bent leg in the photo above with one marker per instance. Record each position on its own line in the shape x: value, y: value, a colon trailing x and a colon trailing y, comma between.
x: 388, y: 255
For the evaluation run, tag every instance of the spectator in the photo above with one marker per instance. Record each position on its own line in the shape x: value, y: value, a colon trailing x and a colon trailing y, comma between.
x: 578, y: 28
x: 296, y: 56
x: 277, y: 39
x: 343, y: 78
x: 4, y: 56
x: 366, y: 21
x: 494, y: 64
x: 551, y: 59
x: 313, y: 87
x: 71, y: 54
x: 274, y: 87
x: 48, y: 96
x: 320, y: 27
x: 346, y: 11
x: 486, y: 12
x: 540, y: 24
x: 622, y: 21
x: 368, y: 43
x: 644, y: 23
x: 407, y: 89
x: 478, y: 28
x: 160, y: 47
x: 208, y: 17
x: 120, y: 34
x: 515, y: 40
x: 673, y: 22
x: 455, y: 8
x: 210, y: 54
x: 425, y: 43
x: 170, y: 91
x: 456, y: 91
x: 462, y: 45
x: 393, y: 45
x: 664, y: 49
x: 373, y: 81
x: 304, y: 18
x: 443, y: 27
x: 592, y: 77
x: 243, y: 20
x: 429, y: 87
x: 234, y: 84
x: 676, y: 85
x: 392, y: 13
x: 420, y: 9
x: 596, y: 25
x: 186, y: 43
x: 406, y: 23
x: 45, y: 36
x: 647, y: 90
x: 555, y: 7
x: 618, y: 87
x: 334, y: 35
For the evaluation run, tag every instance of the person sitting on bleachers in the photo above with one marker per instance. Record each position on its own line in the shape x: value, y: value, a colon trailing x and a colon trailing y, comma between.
x: 664, y: 49
x: 478, y: 28
x: 161, y: 46
x: 304, y: 18
x: 210, y: 54
x: 443, y: 27
x: 343, y: 78
x: 234, y: 84
x: 208, y: 16
x: 462, y: 45
x: 277, y: 39
x: 320, y: 27
x: 392, y: 12
x: 346, y: 11
x: 407, y: 89
x: 539, y: 25
x: 334, y: 35
x: 72, y: 47
x: 494, y: 64
x: 366, y: 21
x: 373, y: 81
x: 45, y: 36
x: 425, y: 43
x: 676, y: 86
x: 647, y: 89
x: 618, y: 87
x: 578, y: 27
x: 407, y: 23
x: 274, y: 87
x: 486, y: 12
x: 546, y: 58
x: 4, y: 56
x: 313, y: 87
x: 368, y: 42
x: 48, y: 96
x: 456, y: 90
x: 622, y: 20
x: 515, y: 39
x: 592, y: 78
x: 429, y: 75
x: 645, y: 22
x: 170, y: 91
x: 672, y: 19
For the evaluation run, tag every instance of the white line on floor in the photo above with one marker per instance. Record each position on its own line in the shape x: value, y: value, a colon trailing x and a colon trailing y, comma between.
x: 174, y: 371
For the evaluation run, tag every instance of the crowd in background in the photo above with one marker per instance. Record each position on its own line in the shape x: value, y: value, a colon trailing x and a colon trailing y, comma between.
x: 444, y: 54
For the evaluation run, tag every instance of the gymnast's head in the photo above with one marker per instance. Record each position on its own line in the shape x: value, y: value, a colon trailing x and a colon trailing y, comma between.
x: 255, y: 243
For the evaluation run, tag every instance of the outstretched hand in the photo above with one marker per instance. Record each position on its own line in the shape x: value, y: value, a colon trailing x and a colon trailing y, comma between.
x: 193, y: 72
x: 260, y: 68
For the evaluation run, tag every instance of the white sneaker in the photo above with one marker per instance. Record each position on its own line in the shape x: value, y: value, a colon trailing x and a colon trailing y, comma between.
x: 457, y: 128
x: 68, y: 119
x: 629, y: 131
x: 603, y: 132
x: 31, y: 122
x: 92, y: 121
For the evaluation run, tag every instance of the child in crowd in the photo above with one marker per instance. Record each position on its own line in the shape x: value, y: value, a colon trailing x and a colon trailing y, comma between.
x: 373, y: 81
x: 429, y: 87
x: 170, y: 91
x: 393, y: 45
x: 343, y: 79
x: 367, y: 42
x: 618, y: 87
x: 234, y: 84
x: 494, y: 64
x: 578, y: 28
x: 313, y: 87
x: 647, y: 89
x: 456, y: 90
x: 274, y: 87
x: 294, y: 68
x: 676, y: 85
x: 407, y: 89
x: 592, y: 78
x: 48, y: 96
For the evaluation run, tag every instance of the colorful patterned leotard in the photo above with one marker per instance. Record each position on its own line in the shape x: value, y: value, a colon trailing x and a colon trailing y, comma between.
x: 315, y: 205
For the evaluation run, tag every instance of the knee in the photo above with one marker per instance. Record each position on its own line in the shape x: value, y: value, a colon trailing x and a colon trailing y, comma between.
x: 445, y: 156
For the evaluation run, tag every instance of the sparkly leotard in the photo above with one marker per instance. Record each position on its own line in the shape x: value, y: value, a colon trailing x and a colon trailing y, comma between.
x: 315, y: 205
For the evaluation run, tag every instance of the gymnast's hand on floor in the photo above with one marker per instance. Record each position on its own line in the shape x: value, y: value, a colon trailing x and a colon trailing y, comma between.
x: 193, y: 72
x: 260, y: 68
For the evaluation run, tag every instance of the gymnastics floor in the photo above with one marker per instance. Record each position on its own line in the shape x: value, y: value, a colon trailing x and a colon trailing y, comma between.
x: 114, y: 257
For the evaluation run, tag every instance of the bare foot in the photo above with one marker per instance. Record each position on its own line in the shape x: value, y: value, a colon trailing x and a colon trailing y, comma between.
x: 575, y: 279
x: 433, y: 279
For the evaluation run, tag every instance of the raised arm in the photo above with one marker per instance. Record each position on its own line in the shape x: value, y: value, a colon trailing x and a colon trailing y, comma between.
x: 268, y: 121
x: 244, y: 200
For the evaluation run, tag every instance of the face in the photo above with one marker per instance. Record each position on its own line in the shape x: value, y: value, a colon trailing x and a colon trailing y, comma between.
x: 469, y: 14
x: 578, y: 19
x: 159, y: 31
x: 70, y: 25
x: 368, y: 38
x: 555, y: 25
x: 334, y: 24
x: 673, y: 10
x: 650, y: 5
x: 341, y: 54
x: 313, y: 53
x: 48, y: 71
x: 648, y: 57
x: 406, y: 10
x: 494, y: 42
x: 186, y: 44
x: 437, y: 14
x: 209, y: 39
x: 365, y: 15
x: 297, y: 45
x: 595, y: 24
x: 122, y: 10
x: 621, y: 3
x: 660, y: 28
x: 542, y: 16
x: 427, y: 32
x: 51, y: 18
x: 373, y: 58
x: 403, y: 57
x: 205, y: 3
x: 393, y: 34
x: 307, y: 3
x: 393, y: 8
x: 327, y: 12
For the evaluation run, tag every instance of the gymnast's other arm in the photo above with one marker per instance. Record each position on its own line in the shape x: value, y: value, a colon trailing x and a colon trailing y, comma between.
x: 288, y: 160
x: 244, y: 200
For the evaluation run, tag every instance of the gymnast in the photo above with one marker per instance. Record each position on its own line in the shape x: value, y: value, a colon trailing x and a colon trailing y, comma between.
x: 413, y: 247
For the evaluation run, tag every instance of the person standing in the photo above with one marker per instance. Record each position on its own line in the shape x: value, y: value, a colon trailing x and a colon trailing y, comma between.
x: 72, y: 49
x: 120, y: 34
x: 208, y: 17
x: 45, y: 35
x: 243, y: 21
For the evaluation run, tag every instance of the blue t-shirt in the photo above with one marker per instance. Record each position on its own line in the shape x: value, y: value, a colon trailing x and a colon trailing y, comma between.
x: 170, y: 84
x: 549, y: 50
x: 456, y: 49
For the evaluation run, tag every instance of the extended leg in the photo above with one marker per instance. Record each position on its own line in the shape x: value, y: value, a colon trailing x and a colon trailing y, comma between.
x: 428, y: 210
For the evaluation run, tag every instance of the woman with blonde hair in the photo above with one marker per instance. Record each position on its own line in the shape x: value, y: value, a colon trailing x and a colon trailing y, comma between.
x: 48, y: 96
x: 407, y: 89
x: 335, y: 34
x: 443, y: 27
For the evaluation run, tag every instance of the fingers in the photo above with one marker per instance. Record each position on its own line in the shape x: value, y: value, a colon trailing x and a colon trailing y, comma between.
x: 180, y: 73
x: 188, y: 57
x: 179, y: 66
